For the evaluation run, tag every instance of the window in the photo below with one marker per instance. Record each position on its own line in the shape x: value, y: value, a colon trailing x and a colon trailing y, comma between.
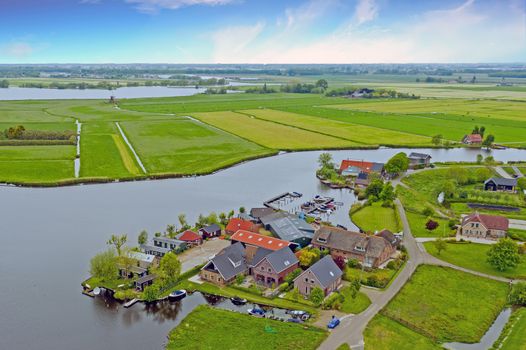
x: 269, y: 270
x: 306, y: 279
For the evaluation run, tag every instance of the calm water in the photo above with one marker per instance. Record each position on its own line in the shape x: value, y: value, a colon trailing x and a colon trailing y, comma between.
x: 14, y: 93
x: 48, y: 235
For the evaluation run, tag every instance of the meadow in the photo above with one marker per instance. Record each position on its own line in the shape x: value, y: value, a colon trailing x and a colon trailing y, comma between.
x: 447, y: 305
x: 376, y: 218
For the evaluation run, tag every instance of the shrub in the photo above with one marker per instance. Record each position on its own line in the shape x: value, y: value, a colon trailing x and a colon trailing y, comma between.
x: 333, y: 301
x: 353, y: 263
x: 518, y: 294
x: 239, y: 279
x: 428, y: 211
x: 292, y: 276
x: 316, y: 296
x: 283, y: 287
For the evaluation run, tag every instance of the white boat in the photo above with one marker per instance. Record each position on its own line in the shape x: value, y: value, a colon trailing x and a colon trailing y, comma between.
x: 177, y: 295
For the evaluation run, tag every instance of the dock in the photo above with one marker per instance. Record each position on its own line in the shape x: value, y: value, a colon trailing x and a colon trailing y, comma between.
x: 284, y: 198
x: 131, y: 302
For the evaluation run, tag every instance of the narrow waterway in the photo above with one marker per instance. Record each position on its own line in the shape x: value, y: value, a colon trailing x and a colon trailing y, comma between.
x: 48, y: 236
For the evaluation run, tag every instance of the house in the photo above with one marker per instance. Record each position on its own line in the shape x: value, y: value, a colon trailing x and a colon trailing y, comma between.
x: 223, y: 268
x: 144, y: 260
x: 419, y: 160
x: 484, y: 226
x: 389, y: 237
x: 170, y: 243
x: 144, y: 282
x: 324, y: 274
x: 132, y: 271
x: 190, y: 237
x: 289, y: 227
x: 210, y: 231
x: 472, y: 139
x: 272, y: 269
x: 236, y: 224
x: 500, y: 184
x: 154, y: 250
x: 253, y: 241
x: 350, y: 167
x: 362, y: 180
x: 258, y: 213
x: 371, y: 251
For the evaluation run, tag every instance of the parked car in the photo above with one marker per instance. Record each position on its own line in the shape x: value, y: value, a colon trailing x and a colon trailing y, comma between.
x: 333, y: 323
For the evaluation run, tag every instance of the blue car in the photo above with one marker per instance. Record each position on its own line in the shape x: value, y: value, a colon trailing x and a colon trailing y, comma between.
x: 333, y: 323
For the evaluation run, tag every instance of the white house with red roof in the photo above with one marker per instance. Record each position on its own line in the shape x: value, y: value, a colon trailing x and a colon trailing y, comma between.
x: 484, y: 226
x: 472, y: 139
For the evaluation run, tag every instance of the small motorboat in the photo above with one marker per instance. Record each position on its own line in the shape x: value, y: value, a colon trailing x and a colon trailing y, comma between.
x: 257, y: 312
x: 238, y: 301
x: 97, y: 291
x: 296, y: 194
x: 177, y: 295
x: 297, y: 313
x: 294, y: 320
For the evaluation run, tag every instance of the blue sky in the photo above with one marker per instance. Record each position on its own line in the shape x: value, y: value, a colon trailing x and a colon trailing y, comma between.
x: 245, y: 31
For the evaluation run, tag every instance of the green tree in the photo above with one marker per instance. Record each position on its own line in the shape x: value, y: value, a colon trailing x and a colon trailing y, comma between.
x: 151, y: 293
x: 212, y: 218
x: 118, y: 242
x: 397, y: 164
x: 375, y: 188
x: 292, y: 276
x: 104, y: 265
x: 223, y: 219
x: 4, y: 84
x: 183, y: 222
x: 440, y: 245
x: 449, y: 188
x: 518, y: 294
x: 170, y: 230
x: 242, y: 210
x: 480, y: 158
x: 295, y: 295
x: 143, y: 237
x: 488, y: 141
x: 309, y: 256
x: 504, y: 254
x: 316, y: 296
x: 201, y: 221
x: 170, y: 267
x: 323, y: 84
x: 521, y: 183
x: 231, y: 214
x: 240, y: 279
x: 437, y: 139
x: 325, y: 160
x: 388, y: 193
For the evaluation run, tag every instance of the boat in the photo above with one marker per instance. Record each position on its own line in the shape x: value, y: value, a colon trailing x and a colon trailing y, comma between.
x: 238, y: 301
x: 304, y: 315
x: 342, y: 227
x: 177, y: 295
x: 97, y: 291
x: 294, y: 320
x: 257, y: 312
x: 296, y: 194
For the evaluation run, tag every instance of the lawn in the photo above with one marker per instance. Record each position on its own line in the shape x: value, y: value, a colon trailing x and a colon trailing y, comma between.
x: 417, y: 222
x: 356, y: 305
x: 473, y: 256
x: 231, y: 330
x: 271, y: 135
x: 383, y: 333
x: 184, y: 146
x: 514, y: 332
x: 376, y: 218
x: 384, y: 275
x: 519, y: 235
x: 448, y: 305
x: 353, y: 132
x: 36, y: 171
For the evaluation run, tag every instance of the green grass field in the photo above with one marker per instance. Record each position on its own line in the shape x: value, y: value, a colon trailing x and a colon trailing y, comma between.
x: 417, y: 222
x: 183, y: 146
x: 231, y: 330
x: 473, y: 256
x: 356, y: 305
x: 514, y: 332
x: 447, y: 305
x: 376, y: 218
x: 383, y: 333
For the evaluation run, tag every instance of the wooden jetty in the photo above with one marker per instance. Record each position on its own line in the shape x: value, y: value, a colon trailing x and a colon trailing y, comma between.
x: 130, y: 303
x: 271, y: 203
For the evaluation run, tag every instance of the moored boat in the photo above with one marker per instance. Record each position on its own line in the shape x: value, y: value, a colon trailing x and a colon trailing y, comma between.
x: 257, y: 312
x: 238, y: 301
x: 177, y: 295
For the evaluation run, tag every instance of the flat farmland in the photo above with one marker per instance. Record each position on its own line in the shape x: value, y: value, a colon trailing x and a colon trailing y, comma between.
x: 271, y: 135
x: 352, y: 132
x: 184, y: 146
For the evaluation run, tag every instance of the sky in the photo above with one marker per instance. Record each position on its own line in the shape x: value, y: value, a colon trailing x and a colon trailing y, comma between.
x: 262, y: 31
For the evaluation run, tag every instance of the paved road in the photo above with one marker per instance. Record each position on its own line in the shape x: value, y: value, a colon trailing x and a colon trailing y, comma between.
x: 351, y: 328
x: 199, y: 255
x: 518, y: 224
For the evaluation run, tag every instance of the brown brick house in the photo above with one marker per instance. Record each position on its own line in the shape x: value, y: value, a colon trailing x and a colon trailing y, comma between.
x: 324, y: 274
x: 484, y: 226
x: 371, y: 251
x: 223, y: 268
x: 272, y: 268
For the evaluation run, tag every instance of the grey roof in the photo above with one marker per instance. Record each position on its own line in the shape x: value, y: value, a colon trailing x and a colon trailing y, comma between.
x: 377, y: 167
x: 168, y: 240
x: 258, y: 213
x: 145, y: 279
x: 261, y: 253
x: 282, y: 259
x: 146, y: 247
x: 389, y: 236
x: 244, y: 216
x: 287, y: 226
x: 211, y: 228
x: 416, y: 155
x: 230, y: 261
x: 500, y: 181
x: 326, y: 270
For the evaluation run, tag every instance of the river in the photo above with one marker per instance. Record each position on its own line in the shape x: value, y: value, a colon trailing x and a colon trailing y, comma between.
x: 48, y: 236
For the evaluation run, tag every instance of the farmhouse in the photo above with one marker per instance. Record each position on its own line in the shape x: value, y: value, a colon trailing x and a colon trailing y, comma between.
x: 419, y: 160
x: 289, y: 227
x: 350, y: 167
x: 190, y: 238
x: 236, y: 224
x: 252, y: 241
x: 389, y: 237
x: 223, y: 268
x: 500, y: 184
x: 371, y: 251
x: 324, y: 274
x: 472, y: 139
x: 132, y: 271
x: 484, y: 226
x: 210, y: 231
x: 274, y: 266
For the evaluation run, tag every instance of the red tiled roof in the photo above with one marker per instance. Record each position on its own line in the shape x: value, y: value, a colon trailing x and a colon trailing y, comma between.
x: 491, y: 222
x: 239, y: 224
x: 189, y: 236
x: 365, y: 166
x: 258, y: 240
x: 474, y: 138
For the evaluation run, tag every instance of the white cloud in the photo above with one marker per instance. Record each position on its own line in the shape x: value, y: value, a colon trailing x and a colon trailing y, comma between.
x: 153, y: 6
x: 17, y: 49
x: 305, y: 14
x: 231, y: 43
x: 366, y: 11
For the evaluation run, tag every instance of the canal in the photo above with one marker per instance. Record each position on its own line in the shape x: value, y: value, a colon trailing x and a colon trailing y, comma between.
x: 48, y: 236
